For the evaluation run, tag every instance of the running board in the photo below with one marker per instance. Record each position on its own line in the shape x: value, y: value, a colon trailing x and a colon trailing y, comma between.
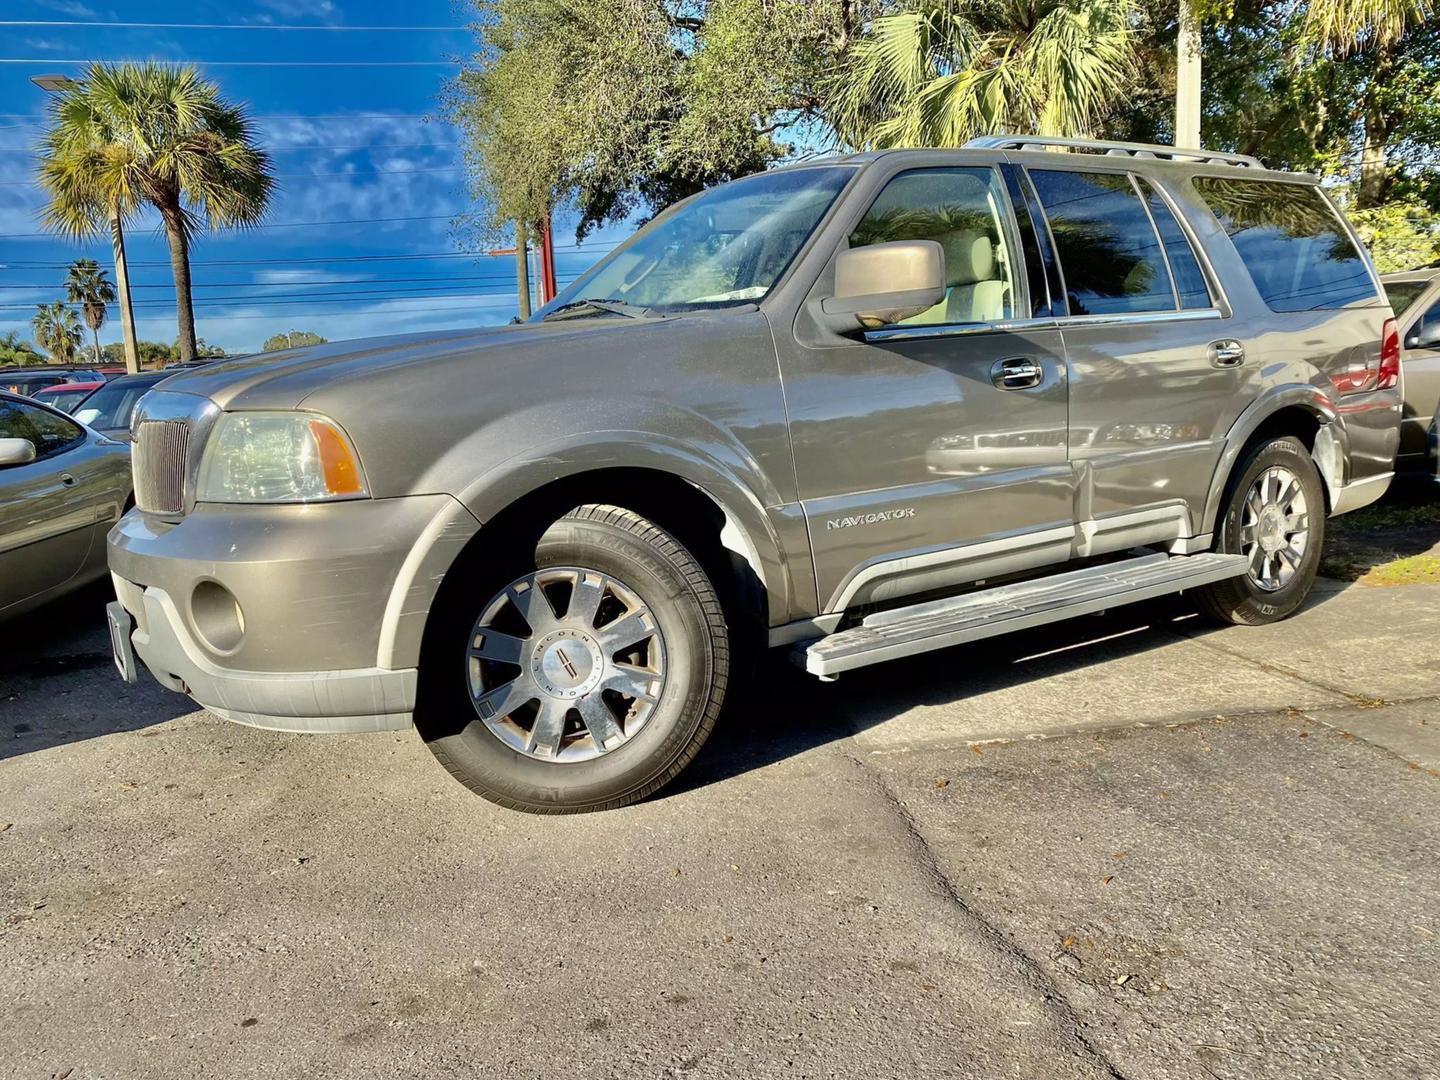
x: 936, y: 624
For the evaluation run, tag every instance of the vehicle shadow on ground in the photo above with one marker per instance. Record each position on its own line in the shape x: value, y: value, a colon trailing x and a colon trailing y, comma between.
x: 785, y: 712
x: 58, y: 683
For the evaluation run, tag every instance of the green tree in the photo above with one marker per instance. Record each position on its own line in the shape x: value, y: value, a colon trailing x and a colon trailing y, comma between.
x: 130, y: 135
x: 941, y: 72
x: 57, y: 331
x: 16, y: 351
x: 292, y: 339
x: 89, y: 286
x: 618, y: 106
x: 1373, y: 32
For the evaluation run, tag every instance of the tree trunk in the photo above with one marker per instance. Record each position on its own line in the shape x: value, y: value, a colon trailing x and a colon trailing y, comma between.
x: 180, y: 268
x: 95, y: 333
x: 1375, y: 177
x: 522, y: 268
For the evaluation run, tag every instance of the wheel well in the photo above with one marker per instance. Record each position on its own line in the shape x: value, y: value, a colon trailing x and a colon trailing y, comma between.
x: 676, y: 505
x: 1291, y: 420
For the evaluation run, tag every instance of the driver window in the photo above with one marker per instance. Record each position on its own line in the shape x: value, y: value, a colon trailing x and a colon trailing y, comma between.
x: 961, y: 210
x: 48, y: 432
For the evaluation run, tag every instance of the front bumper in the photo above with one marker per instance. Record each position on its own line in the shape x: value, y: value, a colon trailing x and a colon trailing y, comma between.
x: 279, y: 616
x: 372, y: 699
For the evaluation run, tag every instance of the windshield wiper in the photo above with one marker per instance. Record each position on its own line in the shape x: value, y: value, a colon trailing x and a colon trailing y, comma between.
x: 576, y: 309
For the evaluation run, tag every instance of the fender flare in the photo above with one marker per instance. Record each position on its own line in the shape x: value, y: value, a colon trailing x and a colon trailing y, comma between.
x: 764, y: 537
x: 751, y: 531
x: 1331, y: 451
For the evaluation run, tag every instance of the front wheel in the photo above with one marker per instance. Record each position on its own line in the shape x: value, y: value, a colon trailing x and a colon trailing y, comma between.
x: 1274, y: 516
x: 588, y: 679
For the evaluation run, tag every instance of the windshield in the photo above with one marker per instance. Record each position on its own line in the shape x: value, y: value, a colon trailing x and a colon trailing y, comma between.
x: 1402, y: 294
x: 725, y: 246
x: 111, y: 405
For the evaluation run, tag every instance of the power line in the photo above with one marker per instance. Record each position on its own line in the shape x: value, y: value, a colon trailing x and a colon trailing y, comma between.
x: 324, y: 260
x: 50, y: 62
x: 355, y: 171
x: 324, y: 146
x: 238, y: 26
x: 277, y: 225
x: 38, y: 117
x: 457, y: 278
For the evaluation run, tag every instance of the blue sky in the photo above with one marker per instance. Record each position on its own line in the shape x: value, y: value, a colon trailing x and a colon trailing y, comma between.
x: 336, y: 160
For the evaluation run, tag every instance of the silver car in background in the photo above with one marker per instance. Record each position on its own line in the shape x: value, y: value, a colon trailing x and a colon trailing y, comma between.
x: 1415, y: 296
x: 62, y: 486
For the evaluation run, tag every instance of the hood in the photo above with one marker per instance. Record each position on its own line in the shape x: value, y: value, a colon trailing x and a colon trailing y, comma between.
x: 282, y: 380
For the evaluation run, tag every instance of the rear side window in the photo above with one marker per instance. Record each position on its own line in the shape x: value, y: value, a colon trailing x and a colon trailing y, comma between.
x: 1184, y: 267
x: 1290, y: 241
x: 1109, y: 254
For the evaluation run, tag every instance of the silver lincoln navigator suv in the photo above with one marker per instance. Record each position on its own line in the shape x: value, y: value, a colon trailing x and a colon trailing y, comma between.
x: 855, y: 409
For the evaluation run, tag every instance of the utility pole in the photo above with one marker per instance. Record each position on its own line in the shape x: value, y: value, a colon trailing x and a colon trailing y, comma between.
x: 122, y: 288
x: 58, y: 84
x: 522, y: 268
x: 1187, y: 78
x: 547, y: 261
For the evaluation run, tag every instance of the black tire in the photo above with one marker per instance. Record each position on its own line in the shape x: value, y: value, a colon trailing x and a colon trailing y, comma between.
x: 1242, y: 601
x: 666, y: 577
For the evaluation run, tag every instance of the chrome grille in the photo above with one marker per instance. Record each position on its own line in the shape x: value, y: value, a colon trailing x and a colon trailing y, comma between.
x: 159, y: 457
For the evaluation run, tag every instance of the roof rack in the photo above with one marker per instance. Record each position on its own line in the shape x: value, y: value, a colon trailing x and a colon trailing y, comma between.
x: 1120, y: 149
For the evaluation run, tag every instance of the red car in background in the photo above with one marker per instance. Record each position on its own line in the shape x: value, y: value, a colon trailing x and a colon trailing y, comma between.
x: 66, y: 396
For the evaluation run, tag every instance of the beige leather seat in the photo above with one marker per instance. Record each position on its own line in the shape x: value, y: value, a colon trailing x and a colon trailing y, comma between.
x: 974, y: 291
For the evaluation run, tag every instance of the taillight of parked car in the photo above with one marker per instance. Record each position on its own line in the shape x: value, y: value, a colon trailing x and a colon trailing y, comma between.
x: 1389, y: 357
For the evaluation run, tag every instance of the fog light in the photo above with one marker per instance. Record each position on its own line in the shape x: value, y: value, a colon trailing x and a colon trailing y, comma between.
x: 217, y: 616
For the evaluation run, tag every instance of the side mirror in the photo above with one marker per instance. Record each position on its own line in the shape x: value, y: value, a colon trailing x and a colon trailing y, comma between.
x: 884, y: 283
x: 1424, y: 336
x: 16, y: 452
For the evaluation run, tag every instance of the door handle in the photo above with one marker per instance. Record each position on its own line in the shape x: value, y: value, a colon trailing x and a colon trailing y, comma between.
x: 67, y: 479
x: 1016, y: 373
x: 1227, y: 353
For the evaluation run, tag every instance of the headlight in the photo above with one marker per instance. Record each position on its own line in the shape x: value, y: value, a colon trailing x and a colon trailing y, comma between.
x: 278, y: 457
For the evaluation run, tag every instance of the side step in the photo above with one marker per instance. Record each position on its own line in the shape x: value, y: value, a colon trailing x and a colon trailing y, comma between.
x: 954, y: 620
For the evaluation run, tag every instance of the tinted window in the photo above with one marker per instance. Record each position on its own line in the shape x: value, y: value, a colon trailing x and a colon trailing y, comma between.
x: 963, y: 211
x: 1109, y: 254
x: 48, y: 432
x: 1425, y: 334
x: 1298, y: 255
x: 1184, y: 267
x: 28, y: 384
x: 1402, y: 294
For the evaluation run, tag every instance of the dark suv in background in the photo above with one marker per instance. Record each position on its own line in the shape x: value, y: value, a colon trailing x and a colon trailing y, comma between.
x: 856, y: 409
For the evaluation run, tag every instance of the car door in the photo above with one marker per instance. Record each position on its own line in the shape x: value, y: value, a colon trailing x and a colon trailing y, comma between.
x: 1420, y: 336
x: 48, y: 513
x: 932, y: 451
x: 1156, y: 376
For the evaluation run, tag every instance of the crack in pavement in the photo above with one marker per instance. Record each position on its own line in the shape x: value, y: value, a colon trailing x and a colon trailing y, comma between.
x: 1030, y: 969
x: 1271, y: 668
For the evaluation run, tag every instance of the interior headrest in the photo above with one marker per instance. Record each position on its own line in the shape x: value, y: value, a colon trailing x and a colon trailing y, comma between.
x: 969, y: 257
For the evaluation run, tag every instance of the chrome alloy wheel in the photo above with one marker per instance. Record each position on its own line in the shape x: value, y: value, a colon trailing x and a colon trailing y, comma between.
x: 1274, y: 528
x: 566, y: 664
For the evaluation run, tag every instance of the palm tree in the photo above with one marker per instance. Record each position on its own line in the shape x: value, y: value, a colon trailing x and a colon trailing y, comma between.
x: 1376, y: 28
x: 87, y: 285
x: 57, y: 331
x: 941, y: 72
x: 131, y: 135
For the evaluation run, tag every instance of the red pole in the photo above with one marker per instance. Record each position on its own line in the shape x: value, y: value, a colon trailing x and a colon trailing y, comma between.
x: 547, y: 262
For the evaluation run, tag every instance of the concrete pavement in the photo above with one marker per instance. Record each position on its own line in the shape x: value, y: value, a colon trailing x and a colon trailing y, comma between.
x: 1130, y: 846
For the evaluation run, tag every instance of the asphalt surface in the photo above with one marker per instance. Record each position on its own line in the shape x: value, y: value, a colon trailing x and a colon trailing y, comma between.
x: 1131, y: 846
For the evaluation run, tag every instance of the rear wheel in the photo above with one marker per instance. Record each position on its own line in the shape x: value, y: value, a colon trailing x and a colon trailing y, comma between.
x: 585, y: 679
x: 1274, y: 516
